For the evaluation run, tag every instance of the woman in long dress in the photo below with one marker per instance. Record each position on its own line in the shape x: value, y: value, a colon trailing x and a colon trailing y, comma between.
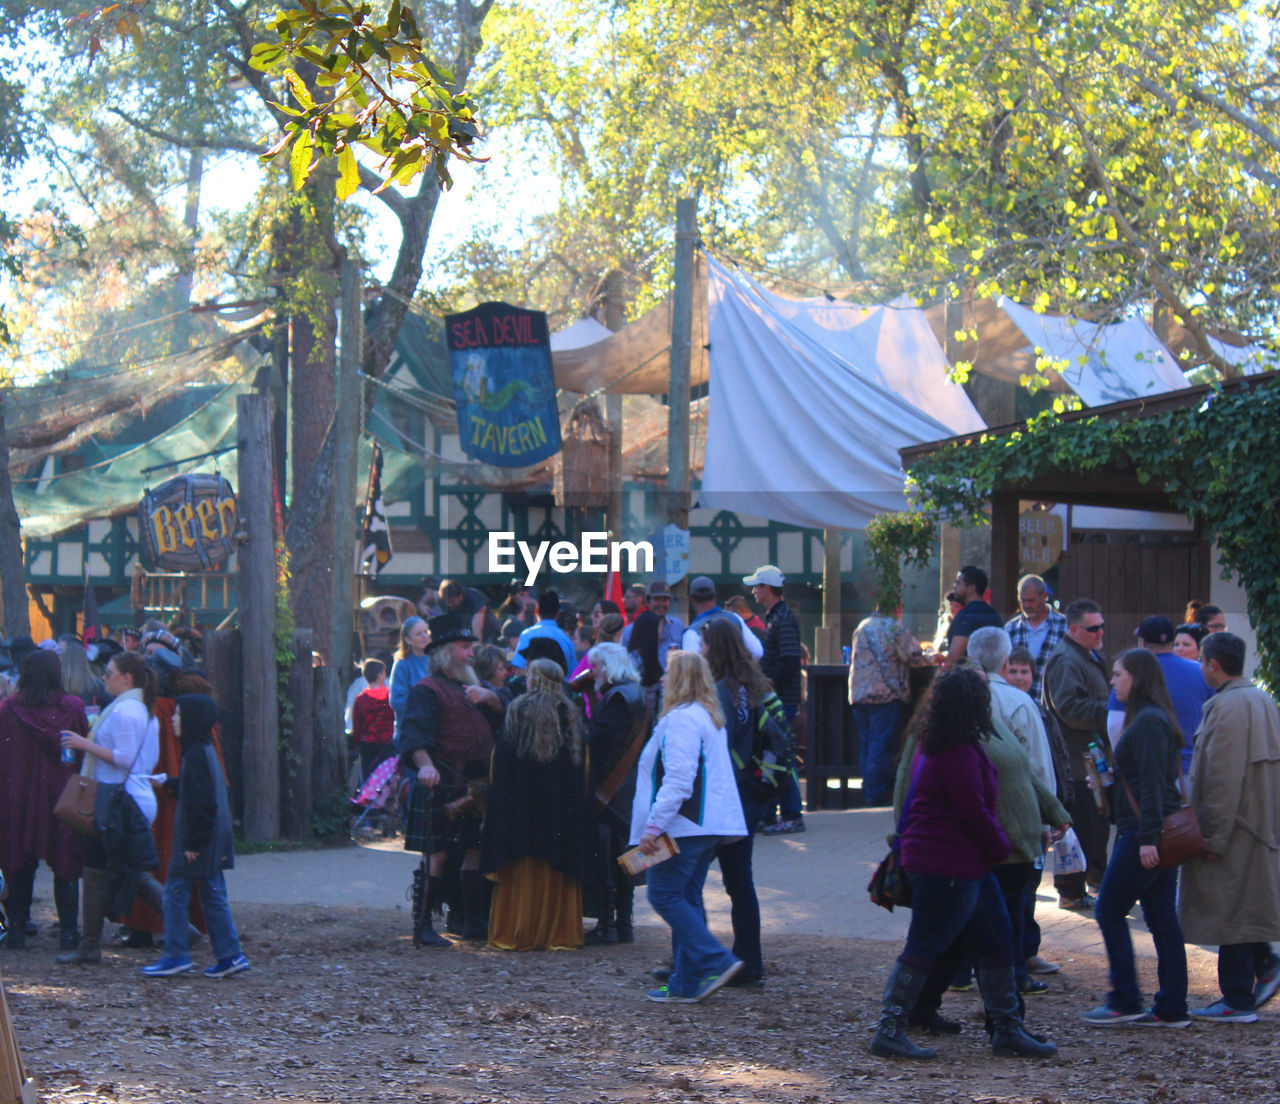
x: 32, y: 777
x: 533, y: 828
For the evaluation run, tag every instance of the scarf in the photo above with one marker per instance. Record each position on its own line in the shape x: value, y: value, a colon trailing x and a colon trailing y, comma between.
x: 90, y: 766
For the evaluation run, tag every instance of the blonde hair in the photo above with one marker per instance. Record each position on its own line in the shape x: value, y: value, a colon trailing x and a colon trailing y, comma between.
x: 689, y: 680
x: 542, y: 721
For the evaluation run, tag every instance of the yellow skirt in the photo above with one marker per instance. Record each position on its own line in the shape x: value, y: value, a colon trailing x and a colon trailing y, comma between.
x: 535, y: 908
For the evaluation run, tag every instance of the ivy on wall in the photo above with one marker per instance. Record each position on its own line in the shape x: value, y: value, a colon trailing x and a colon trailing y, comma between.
x: 1219, y: 462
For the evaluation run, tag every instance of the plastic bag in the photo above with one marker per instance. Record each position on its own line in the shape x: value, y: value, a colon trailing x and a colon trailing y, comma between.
x: 1068, y: 858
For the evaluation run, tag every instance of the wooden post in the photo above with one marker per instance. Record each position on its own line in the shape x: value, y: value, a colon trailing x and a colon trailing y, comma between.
x: 16, y: 1086
x: 1004, y: 552
x: 678, y: 390
x: 827, y: 639
x: 351, y: 328
x: 296, y: 799
x: 681, y: 352
x: 257, y: 558
x: 222, y: 663
x: 329, y: 736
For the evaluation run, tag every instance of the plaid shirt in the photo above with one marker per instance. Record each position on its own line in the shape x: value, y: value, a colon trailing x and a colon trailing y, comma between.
x: 1020, y: 633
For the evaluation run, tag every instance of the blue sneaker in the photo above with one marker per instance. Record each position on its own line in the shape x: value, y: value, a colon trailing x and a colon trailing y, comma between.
x: 664, y: 995
x: 1105, y: 1016
x: 225, y: 967
x: 168, y: 966
x: 713, y: 983
x: 1221, y: 1012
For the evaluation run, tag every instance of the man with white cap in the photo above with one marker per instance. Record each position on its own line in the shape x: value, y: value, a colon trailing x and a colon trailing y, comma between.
x: 782, y: 661
x: 703, y: 607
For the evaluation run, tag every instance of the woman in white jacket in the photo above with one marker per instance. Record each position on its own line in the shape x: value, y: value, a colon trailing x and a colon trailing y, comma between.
x: 685, y: 788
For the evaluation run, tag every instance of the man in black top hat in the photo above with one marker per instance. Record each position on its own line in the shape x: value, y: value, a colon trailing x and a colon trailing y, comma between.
x: 446, y: 738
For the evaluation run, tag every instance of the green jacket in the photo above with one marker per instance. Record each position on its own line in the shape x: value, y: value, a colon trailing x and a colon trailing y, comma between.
x: 1023, y: 803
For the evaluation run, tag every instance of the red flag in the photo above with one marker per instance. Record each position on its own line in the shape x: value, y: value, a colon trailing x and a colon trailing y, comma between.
x: 613, y: 592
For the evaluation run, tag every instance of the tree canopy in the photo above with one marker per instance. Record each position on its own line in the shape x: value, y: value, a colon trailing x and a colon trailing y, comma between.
x: 1086, y: 158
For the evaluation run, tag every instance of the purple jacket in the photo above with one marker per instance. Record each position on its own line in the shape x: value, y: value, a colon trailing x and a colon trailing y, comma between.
x: 951, y: 827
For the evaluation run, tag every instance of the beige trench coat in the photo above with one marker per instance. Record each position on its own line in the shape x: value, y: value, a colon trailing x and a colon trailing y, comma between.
x: 1235, y: 788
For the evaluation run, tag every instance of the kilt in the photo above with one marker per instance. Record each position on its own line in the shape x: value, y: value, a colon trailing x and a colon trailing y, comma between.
x: 428, y: 827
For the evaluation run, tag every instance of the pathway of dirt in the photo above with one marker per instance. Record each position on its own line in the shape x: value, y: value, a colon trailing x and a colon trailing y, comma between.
x: 340, y: 1007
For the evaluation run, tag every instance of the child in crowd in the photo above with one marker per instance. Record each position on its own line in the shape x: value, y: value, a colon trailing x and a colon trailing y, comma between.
x: 372, y: 720
x: 203, y: 848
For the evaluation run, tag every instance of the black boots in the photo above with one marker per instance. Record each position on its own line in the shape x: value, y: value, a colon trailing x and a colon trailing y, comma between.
x: 66, y: 896
x: 1009, y: 1038
x: 475, y: 911
x: 606, y: 929
x: 622, y: 903
x: 426, y: 893
x: 18, y: 905
x: 900, y: 994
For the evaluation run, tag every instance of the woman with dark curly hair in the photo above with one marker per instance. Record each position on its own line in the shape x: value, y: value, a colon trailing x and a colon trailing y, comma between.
x: 1187, y: 640
x: 950, y: 839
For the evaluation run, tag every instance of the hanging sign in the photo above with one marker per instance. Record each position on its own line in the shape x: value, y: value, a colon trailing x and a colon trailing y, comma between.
x: 187, y: 524
x: 1039, y: 540
x: 503, y: 384
x: 671, y: 553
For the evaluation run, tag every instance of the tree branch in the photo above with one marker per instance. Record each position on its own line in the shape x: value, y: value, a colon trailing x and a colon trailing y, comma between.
x: 1158, y: 281
x: 188, y: 143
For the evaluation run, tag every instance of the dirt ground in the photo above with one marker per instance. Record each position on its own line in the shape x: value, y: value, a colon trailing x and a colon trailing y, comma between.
x: 339, y: 1006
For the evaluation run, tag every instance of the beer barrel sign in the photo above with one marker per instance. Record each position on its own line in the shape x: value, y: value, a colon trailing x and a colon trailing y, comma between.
x: 187, y: 524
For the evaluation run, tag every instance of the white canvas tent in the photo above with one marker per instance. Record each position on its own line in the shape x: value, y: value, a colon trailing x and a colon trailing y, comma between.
x: 810, y: 401
x: 1102, y: 363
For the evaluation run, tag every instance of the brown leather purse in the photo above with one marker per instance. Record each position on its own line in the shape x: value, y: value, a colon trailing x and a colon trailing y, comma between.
x: 1180, y: 836
x: 76, y: 803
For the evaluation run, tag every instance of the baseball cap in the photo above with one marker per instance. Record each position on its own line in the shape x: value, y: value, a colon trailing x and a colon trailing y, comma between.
x: 661, y: 590
x: 1155, y: 630
x: 768, y: 575
x: 702, y: 587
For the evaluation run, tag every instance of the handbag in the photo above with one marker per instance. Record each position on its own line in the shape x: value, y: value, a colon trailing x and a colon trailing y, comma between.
x: 76, y: 804
x: 1180, y: 836
x: 889, y: 886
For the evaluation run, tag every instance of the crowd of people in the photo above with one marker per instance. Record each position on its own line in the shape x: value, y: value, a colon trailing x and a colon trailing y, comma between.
x: 537, y: 760
x: 1025, y: 735
x: 130, y: 724
x: 549, y: 763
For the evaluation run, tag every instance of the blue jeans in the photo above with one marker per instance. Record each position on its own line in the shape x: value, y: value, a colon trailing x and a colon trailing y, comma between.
x: 790, y: 804
x: 940, y: 911
x: 675, y: 892
x: 877, y: 727
x: 217, y: 914
x: 1126, y: 881
x: 1239, y: 967
x: 739, y: 884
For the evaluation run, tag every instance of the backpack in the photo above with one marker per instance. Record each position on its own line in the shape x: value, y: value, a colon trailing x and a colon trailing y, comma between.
x: 764, y: 754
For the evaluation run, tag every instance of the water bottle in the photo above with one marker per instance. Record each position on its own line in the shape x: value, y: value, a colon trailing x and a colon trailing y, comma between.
x: 847, y: 652
x: 1105, y: 773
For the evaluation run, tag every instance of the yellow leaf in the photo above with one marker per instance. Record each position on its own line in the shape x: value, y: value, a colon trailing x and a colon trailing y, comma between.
x: 348, y: 172
x: 300, y: 159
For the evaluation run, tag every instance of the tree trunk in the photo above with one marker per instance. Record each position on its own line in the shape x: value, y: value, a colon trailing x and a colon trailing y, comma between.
x: 312, y: 401
x: 13, y: 578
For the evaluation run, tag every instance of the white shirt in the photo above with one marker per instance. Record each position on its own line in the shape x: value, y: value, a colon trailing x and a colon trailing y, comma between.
x: 1019, y: 712
x: 125, y: 730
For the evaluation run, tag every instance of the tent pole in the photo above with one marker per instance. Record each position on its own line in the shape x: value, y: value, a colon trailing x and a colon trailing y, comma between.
x: 678, y: 391
x: 827, y: 638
